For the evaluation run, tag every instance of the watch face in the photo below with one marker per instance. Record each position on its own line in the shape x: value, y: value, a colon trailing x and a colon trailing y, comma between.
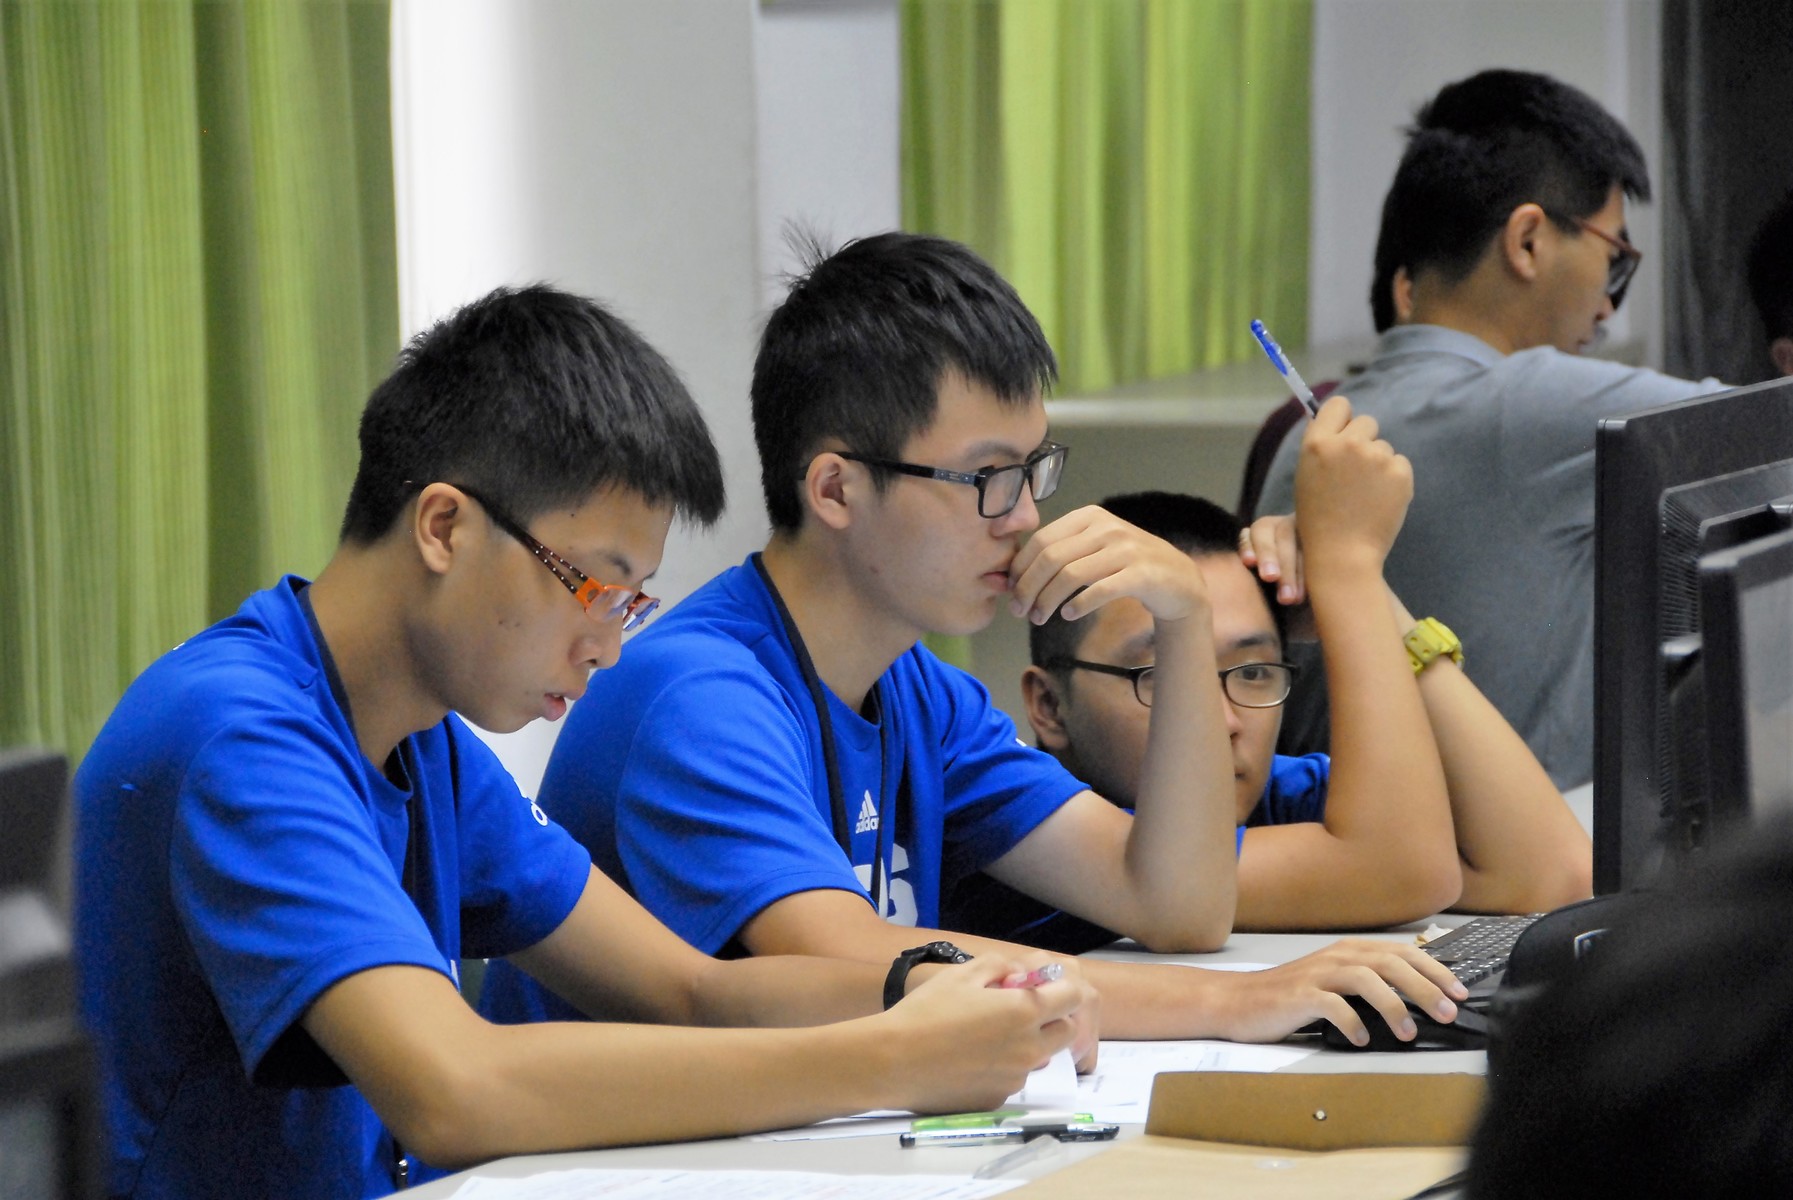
x: 946, y: 952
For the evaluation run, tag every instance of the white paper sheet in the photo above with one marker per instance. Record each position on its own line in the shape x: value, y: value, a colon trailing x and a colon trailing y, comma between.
x: 865, y: 1125
x: 1051, y: 1086
x: 731, y: 1185
x: 1120, y: 1088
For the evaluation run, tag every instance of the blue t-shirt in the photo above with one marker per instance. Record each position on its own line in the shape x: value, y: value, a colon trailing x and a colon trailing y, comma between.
x: 1295, y: 792
x: 236, y: 855
x: 693, y: 772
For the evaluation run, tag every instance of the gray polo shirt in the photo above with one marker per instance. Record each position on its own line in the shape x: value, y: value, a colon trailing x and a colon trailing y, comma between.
x: 1499, y: 542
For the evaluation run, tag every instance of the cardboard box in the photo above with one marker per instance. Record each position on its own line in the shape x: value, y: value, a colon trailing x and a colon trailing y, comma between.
x: 1314, y: 1137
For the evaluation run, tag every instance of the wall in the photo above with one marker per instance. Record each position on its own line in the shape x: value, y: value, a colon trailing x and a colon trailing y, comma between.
x: 829, y: 87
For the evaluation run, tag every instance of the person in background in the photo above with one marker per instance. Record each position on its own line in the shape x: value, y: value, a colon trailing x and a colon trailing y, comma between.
x: 1502, y: 251
x: 1428, y: 801
x: 287, y: 839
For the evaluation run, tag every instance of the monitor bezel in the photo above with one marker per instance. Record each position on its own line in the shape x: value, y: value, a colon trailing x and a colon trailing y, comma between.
x: 1637, y: 458
x: 1726, y: 576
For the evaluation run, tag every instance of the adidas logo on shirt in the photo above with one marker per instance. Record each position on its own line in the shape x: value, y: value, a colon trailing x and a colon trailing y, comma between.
x: 868, y: 816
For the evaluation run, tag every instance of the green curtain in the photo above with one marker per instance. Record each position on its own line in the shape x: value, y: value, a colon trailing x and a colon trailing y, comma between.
x: 197, y: 291
x: 1137, y: 168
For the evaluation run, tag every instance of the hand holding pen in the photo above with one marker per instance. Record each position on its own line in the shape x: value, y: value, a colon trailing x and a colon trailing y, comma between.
x: 1050, y: 973
x: 1352, y: 490
x: 1269, y: 542
x: 1086, y: 1018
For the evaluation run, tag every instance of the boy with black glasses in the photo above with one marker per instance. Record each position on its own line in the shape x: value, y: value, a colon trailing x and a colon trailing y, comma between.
x: 287, y: 840
x: 781, y: 766
x: 1429, y: 799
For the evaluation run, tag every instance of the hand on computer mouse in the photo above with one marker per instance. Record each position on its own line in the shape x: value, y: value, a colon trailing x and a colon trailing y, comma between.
x: 1469, y: 1031
x: 1268, y: 1005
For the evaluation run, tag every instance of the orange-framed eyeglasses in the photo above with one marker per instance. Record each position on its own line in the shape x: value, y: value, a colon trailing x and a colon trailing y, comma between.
x: 601, y: 601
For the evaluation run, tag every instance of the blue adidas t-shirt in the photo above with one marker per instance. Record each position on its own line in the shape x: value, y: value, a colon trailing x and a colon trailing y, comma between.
x: 1295, y: 792
x: 237, y: 855
x: 693, y: 772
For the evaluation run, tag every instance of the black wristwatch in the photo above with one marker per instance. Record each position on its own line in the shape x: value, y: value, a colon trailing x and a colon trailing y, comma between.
x: 933, y: 952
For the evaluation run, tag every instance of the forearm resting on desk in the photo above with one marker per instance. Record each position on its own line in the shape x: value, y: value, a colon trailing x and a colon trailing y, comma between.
x: 458, y: 1090
x: 1138, y: 1000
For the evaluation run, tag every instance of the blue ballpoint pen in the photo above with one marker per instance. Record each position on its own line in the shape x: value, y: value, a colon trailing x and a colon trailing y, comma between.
x: 1285, y: 368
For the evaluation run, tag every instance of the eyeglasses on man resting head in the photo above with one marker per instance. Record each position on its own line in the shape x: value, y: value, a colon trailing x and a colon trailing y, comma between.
x: 1248, y: 685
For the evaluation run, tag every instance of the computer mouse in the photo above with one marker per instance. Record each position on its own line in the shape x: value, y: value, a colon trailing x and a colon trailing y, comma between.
x: 1468, y: 1032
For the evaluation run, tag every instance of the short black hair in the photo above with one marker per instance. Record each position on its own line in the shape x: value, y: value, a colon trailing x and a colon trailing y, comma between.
x: 1191, y: 524
x: 537, y: 398
x: 1482, y: 147
x: 1662, y: 1063
x: 1771, y: 270
x: 858, y: 348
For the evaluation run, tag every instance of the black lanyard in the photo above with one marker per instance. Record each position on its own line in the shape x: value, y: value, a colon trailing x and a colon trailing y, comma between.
x: 401, y: 1162
x: 887, y: 743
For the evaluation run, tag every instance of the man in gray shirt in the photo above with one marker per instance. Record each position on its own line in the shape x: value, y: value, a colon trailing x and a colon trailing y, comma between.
x: 1502, y: 249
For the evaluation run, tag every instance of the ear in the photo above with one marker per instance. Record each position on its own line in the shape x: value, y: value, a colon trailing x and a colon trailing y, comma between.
x: 1403, y: 295
x: 1520, y: 240
x: 1781, y: 351
x: 439, y: 513
x: 830, y: 486
x: 1045, y: 702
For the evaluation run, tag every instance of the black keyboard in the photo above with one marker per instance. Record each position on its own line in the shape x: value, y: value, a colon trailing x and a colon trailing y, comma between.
x: 1478, y: 949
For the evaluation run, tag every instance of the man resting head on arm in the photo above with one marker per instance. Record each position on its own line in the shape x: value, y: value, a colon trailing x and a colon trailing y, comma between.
x: 1429, y: 800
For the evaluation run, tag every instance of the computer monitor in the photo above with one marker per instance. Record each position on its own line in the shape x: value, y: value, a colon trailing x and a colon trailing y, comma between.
x: 1672, y: 484
x: 1746, y: 657
x: 49, y: 1114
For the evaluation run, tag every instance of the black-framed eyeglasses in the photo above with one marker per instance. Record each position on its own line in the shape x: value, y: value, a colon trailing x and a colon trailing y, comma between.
x: 601, y: 601
x: 1248, y: 685
x: 1623, y: 265
x: 998, y: 488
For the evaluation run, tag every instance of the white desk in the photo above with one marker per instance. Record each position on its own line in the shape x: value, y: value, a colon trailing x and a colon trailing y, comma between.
x: 882, y: 1156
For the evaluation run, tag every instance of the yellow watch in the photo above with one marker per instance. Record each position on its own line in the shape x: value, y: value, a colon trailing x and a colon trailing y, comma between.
x: 1429, y: 639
